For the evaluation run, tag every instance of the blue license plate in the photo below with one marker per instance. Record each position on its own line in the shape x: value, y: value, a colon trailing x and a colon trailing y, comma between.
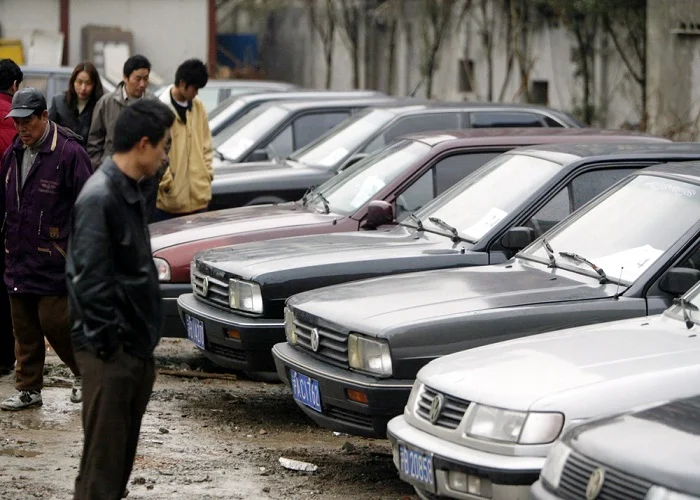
x: 195, y: 330
x: 305, y: 390
x: 416, y: 467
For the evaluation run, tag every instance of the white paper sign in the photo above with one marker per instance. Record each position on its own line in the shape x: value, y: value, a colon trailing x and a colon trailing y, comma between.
x: 486, y: 223
x: 634, y: 261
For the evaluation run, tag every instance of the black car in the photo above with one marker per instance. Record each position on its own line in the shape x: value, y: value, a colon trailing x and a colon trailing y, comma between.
x: 365, y: 133
x: 235, y: 107
x: 530, y: 181
x: 648, y: 454
x: 275, y: 129
x: 626, y: 254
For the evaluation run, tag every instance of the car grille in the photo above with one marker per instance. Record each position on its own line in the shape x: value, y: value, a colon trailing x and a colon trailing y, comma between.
x: 210, y: 290
x: 227, y: 352
x: 331, y: 345
x: 453, y: 409
x: 616, y: 485
x: 349, y: 417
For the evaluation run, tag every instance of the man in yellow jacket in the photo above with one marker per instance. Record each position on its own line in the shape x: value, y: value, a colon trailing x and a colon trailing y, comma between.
x: 186, y: 184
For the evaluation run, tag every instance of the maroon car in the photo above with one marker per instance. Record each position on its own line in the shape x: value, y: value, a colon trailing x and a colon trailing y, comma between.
x: 390, y: 185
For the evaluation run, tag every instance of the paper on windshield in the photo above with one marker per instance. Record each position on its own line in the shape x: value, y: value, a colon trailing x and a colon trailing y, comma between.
x: 634, y: 261
x: 237, y: 148
x: 369, y: 188
x: 486, y: 223
x: 334, y: 157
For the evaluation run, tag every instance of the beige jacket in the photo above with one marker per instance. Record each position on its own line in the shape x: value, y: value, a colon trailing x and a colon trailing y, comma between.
x: 186, y: 183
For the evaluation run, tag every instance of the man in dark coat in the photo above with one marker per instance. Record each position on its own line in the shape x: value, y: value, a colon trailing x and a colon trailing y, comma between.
x: 115, y: 299
x: 10, y: 78
x: 43, y: 172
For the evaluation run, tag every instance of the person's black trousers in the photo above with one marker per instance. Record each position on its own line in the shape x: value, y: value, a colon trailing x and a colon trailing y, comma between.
x: 115, y: 396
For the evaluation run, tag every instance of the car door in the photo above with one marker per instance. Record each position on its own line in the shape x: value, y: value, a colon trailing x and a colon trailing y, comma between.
x: 412, y: 124
x: 438, y: 178
x: 303, y: 129
x: 562, y: 202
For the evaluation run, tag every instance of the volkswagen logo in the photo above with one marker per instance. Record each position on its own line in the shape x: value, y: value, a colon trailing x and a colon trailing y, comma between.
x: 595, y: 484
x: 205, y: 286
x: 315, y: 341
x: 436, y: 408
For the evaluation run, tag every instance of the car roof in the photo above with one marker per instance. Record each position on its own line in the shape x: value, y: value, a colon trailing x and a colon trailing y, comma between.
x: 505, y: 136
x: 304, y: 94
x: 302, y: 105
x: 262, y: 84
x: 566, y: 154
x: 417, y: 106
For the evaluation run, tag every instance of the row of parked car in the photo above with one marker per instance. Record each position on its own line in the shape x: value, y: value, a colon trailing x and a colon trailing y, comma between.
x: 507, y: 297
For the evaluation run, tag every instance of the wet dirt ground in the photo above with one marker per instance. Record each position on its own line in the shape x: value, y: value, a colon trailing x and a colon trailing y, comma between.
x: 201, y: 438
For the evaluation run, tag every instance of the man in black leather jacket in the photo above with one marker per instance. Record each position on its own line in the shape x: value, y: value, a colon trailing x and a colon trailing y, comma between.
x: 115, y: 300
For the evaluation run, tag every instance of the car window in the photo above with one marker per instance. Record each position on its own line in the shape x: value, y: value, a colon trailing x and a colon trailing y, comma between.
x: 311, y: 126
x: 413, y: 124
x: 577, y: 193
x: 515, y: 119
x: 417, y: 195
x: 241, y: 137
x: 588, y: 185
x: 282, y: 145
x: 638, y: 208
x: 449, y: 171
x: 209, y: 97
x: 40, y: 82
x: 551, y: 122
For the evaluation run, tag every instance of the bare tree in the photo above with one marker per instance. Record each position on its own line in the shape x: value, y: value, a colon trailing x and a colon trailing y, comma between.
x: 437, y: 23
x: 390, y: 12
x: 323, y: 22
x: 351, y: 18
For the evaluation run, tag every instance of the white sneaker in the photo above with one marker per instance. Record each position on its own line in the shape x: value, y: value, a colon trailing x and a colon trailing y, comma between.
x: 22, y: 400
x: 76, y: 393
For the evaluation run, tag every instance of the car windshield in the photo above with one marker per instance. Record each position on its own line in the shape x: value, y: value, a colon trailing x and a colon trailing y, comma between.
x: 223, y: 113
x: 481, y: 200
x: 625, y: 232
x: 331, y: 149
x: 353, y: 188
x: 237, y: 140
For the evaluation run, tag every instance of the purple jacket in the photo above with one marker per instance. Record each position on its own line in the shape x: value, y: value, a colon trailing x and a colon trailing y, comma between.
x: 37, y: 216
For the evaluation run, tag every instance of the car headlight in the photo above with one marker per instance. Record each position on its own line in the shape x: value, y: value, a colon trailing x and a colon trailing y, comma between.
x: 554, y: 465
x: 660, y: 493
x: 369, y: 355
x: 510, y: 426
x: 245, y: 296
x: 290, y: 329
x: 163, y: 269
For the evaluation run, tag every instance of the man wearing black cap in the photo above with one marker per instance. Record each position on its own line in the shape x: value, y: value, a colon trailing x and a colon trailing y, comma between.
x: 43, y: 171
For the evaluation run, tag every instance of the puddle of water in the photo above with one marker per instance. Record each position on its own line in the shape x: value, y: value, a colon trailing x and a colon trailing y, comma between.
x: 13, y: 452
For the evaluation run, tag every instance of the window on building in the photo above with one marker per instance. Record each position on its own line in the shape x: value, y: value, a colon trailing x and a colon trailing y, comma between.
x: 540, y: 92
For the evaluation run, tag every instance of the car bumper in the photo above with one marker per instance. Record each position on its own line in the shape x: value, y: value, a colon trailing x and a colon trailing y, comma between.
x: 172, y: 324
x: 231, y: 340
x: 540, y: 492
x: 386, y: 398
x: 508, y: 477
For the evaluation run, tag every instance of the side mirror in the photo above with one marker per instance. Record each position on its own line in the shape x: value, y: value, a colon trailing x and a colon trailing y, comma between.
x: 259, y: 155
x: 352, y: 160
x: 679, y: 280
x: 517, y: 238
x: 379, y: 213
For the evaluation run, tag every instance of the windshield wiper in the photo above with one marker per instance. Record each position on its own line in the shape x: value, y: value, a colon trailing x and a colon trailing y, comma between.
x: 550, y: 252
x: 305, y: 198
x: 577, y: 258
x: 419, y: 223
x: 685, y: 305
x: 444, y: 225
x: 323, y: 199
x: 222, y: 156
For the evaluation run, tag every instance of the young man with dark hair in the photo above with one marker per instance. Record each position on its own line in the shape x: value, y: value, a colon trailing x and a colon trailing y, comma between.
x: 136, y: 72
x: 186, y: 184
x: 115, y: 300
x: 10, y: 78
x: 42, y: 174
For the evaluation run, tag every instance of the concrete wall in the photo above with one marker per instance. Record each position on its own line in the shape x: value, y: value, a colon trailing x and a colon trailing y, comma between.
x: 18, y: 18
x: 165, y: 31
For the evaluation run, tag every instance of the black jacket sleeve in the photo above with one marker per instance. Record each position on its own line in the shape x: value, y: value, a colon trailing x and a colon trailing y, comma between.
x: 91, y: 272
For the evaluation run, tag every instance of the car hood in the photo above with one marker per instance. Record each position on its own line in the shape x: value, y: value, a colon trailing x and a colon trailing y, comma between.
x: 381, y: 305
x: 210, y: 225
x: 246, y: 174
x: 659, y: 444
x: 256, y: 259
x: 551, y: 365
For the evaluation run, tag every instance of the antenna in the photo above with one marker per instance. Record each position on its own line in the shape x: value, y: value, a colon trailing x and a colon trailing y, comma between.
x: 617, y: 290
